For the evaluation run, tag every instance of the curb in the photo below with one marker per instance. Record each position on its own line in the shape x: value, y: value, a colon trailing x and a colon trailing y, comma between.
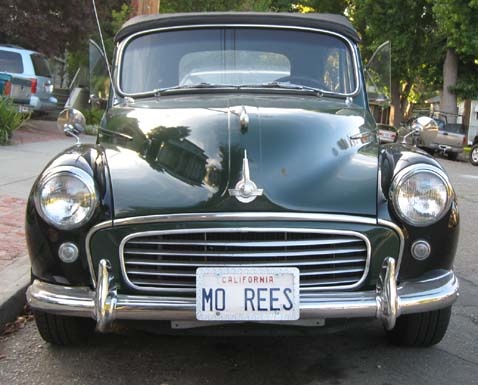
x: 15, y: 279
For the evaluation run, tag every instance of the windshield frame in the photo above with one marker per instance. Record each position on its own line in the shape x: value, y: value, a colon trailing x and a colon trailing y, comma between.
x: 124, y: 43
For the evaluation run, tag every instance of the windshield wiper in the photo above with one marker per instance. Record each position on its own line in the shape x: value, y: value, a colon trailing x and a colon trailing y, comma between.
x: 285, y: 86
x: 292, y: 86
x: 277, y: 85
x: 160, y: 91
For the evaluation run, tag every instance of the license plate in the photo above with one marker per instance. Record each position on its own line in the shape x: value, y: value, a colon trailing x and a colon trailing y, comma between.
x: 24, y: 109
x: 247, y: 294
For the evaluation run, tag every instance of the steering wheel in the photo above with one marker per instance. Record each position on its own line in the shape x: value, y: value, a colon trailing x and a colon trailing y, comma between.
x: 303, y: 80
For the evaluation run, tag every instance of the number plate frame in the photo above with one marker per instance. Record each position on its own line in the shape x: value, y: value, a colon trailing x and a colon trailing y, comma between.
x: 232, y: 284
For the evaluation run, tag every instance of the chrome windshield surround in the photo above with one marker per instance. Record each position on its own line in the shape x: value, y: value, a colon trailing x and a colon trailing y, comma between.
x: 409, y: 172
x: 122, y: 45
x: 243, y: 216
x: 245, y: 230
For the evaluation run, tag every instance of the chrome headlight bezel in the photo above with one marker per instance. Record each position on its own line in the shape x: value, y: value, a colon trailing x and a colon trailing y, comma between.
x: 71, y: 171
x: 411, y: 171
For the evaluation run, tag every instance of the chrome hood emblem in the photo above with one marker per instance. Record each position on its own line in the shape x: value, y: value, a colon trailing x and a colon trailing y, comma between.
x: 246, y: 190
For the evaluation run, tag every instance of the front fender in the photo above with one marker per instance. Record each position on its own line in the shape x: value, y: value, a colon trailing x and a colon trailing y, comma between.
x: 442, y: 235
x: 43, y: 239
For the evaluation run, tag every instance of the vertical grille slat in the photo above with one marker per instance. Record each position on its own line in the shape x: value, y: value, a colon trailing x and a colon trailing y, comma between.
x: 167, y: 260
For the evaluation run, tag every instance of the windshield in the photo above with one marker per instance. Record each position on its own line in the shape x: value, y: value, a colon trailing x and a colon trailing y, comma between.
x: 251, y: 57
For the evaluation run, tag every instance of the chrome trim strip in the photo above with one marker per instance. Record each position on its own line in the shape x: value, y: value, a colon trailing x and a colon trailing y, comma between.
x: 93, y: 230
x: 436, y: 290
x: 300, y: 262
x: 247, y: 229
x: 323, y: 242
x: 115, y: 133
x: 244, y: 216
x: 193, y: 274
x: 245, y: 255
x: 122, y: 45
x: 401, y: 237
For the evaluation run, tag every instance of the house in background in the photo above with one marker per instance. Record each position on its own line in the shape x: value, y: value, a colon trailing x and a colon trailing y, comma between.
x: 434, y: 103
x: 470, y: 122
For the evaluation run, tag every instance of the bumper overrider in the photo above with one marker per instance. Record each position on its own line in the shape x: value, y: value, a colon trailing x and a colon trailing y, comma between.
x: 388, y: 301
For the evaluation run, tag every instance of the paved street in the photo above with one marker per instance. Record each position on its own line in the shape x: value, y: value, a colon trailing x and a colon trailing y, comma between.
x: 354, y: 356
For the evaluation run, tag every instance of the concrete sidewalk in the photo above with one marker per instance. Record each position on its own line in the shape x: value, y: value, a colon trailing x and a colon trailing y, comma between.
x: 33, y: 146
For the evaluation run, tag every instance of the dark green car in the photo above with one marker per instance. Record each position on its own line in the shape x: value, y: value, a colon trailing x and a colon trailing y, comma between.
x: 237, y: 177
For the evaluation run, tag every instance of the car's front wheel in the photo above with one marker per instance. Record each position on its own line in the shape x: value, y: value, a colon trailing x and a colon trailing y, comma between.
x: 474, y: 155
x: 63, y: 330
x: 421, y: 329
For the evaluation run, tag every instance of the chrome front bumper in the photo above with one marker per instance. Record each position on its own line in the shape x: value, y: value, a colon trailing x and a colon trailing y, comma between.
x: 387, y: 302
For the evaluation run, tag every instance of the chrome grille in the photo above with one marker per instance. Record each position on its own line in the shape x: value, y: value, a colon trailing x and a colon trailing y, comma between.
x: 167, y: 260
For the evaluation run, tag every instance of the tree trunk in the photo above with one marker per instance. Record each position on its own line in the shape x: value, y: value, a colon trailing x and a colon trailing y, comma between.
x: 145, y: 7
x: 466, y: 116
x: 395, y: 107
x: 448, y: 105
x: 404, y: 103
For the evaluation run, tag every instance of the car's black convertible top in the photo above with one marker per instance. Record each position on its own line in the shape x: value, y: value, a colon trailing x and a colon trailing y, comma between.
x: 330, y: 22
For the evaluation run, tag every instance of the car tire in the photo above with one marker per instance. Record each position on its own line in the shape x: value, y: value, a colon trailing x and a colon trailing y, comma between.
x: 452, y: 155
x: 474, y: 155
x: 63, y: 330
x: 420, y: 329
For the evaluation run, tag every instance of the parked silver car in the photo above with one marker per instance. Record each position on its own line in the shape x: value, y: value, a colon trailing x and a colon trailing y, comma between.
x: 435, y: 135
x: 387, y: 133
x: 33, y: 66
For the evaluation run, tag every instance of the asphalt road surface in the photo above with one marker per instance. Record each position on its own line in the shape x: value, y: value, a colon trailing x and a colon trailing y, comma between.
x: 353, y: 356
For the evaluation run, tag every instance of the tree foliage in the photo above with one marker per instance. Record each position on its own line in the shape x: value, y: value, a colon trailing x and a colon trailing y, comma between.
x: 420, y: 31
x: 327, y: 6
x: 330, y: 6
x: 458, y: 21
x: 110, y: 23
x: 169, y: 6
x: 50, y: 26
x: 409, y: 26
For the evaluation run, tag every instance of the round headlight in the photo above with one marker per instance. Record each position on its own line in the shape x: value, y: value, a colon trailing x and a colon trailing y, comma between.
x: 66, y: 197
x: 421, y: 194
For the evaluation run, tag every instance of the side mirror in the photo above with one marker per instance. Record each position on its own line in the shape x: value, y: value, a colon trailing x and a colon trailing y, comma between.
x: 421, y: 127
x: 72, y: 123
x: 424, y: 123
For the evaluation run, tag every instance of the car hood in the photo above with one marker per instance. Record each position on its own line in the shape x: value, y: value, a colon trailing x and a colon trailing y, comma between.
x: 183, y: 154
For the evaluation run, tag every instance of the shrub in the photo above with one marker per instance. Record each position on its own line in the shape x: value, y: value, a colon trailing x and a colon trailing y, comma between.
x: 10, y: 119
x: 93, y: 118
x: 93, y: 115
x: 91, y: 129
